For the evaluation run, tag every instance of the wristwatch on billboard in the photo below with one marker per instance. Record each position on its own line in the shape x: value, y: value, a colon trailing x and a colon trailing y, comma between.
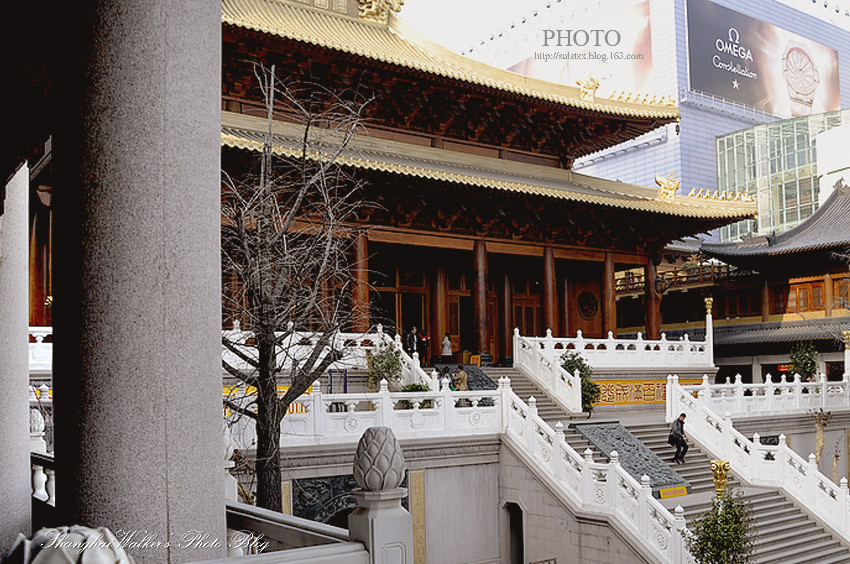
x: 801, y: 76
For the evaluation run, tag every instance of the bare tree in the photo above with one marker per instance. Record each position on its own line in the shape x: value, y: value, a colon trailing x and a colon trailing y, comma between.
x: 286, y: 254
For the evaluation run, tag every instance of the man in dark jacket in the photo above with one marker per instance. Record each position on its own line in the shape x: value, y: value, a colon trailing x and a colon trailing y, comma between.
x: 677, y: 432
x: 410, y: 341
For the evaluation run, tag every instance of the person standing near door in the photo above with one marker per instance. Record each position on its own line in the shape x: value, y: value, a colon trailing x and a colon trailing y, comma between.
x: 410, y: 341
x: 446, y: 348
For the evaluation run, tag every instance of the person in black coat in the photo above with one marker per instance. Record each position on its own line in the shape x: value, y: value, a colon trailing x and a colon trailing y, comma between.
x: 677, y: 438
x: 410, y: 341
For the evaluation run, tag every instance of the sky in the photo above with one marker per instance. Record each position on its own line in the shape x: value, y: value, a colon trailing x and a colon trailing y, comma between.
x: 458, y: 24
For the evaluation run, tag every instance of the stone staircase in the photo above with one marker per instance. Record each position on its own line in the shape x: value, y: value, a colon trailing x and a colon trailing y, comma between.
x: 782, y: 532
x: 548, y: 410
x: 697, y: 467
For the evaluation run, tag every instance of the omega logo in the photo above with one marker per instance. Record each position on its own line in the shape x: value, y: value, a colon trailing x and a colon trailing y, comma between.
x: 733, y: 46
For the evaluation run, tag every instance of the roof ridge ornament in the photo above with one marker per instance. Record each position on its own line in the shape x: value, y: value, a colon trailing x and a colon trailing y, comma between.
x: 587, y: 89
x: 669, y: 186
x: 378, y: 11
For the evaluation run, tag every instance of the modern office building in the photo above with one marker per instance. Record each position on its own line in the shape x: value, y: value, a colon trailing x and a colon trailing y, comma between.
x: 730, y: 64
x: 777, y: 164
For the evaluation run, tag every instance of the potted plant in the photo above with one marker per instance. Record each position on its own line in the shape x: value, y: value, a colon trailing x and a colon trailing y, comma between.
x: 804, y: 358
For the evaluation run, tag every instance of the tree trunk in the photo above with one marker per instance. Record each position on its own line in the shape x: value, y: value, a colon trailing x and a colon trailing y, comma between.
x: 268, y: 426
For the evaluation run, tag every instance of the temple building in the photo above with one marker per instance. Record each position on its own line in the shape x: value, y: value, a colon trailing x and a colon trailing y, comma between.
x: 481, y: 225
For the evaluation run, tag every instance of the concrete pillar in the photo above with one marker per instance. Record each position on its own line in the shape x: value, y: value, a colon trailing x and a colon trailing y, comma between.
x: 360, y: 297
x: 550, y: 293
x: 137, y: 309
x: 16, y: 493
x: 609, y: 297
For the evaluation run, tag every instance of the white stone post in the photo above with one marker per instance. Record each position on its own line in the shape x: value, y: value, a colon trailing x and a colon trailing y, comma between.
x: 379, y: 521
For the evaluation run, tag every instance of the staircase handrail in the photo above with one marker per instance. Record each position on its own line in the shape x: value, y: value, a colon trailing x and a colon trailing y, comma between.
x: 546, y: 372
x: 784, y: 396
x: 757, y: 464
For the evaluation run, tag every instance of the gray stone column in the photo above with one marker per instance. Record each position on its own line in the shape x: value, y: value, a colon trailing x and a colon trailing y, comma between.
x: 16, y: 493
x: 137, y: 290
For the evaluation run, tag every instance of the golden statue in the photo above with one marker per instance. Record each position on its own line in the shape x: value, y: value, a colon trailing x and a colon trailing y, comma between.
x: 709, y: 304
x: 587, y: 89
x: 821, y: 418
x: 720, y: 470
x: 669, y: 186
x: 378, y: 11
x: 846, y: 336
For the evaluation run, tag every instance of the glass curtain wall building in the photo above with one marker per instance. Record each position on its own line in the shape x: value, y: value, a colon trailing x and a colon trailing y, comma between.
x: 776, y: 163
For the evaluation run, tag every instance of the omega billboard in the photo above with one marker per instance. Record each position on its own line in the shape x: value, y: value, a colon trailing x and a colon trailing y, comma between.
x: 758, y: 64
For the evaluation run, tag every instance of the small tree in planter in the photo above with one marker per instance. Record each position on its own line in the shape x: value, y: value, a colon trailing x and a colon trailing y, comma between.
x: 721, y: 535
x: 384, y: 364
x: 590, y: 391
x: 804, y: 359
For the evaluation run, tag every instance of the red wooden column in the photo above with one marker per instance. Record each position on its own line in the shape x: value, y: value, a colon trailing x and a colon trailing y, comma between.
x: 360, y: 297
x: 609, y: 296
x: 827, y: 294
x: 765, y: 301
x: 550, y: 293
x: 653, y: 301
x: 479, y: 299
x: 505, y: 297
x: 439, y: 325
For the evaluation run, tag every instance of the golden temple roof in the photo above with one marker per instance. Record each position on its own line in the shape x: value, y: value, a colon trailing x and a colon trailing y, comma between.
x: 247, y: 132
x: 396, y: 43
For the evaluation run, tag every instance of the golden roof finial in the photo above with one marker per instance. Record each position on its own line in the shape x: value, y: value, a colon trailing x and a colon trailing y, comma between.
x: 709, y: 305
x: 669, y: 186
x: 378, y: 11
x: 587, y: 89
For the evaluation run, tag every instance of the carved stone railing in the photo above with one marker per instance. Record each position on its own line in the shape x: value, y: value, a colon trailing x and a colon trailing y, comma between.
x: 296, y: 346
x: 604, y: 490
x: 757, y: 464
x: 43, y: 477
x: 612, y: 353
x: 783, y: 397
x: 544, y: 369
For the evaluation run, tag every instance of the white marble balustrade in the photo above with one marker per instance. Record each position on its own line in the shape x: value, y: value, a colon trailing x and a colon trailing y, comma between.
x: 43, y: 478
x: 544, y: 369
x: 757, y: 464
x: 605, y: 490
x: 613, y: 353
x: 771, y: 398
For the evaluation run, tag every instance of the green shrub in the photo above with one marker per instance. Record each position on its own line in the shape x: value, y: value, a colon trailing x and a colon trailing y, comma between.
x: 384, y: 364
x: 590, y: 391
x: 804, y: 359
x: 415, y: 387
x: 721, y: 535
